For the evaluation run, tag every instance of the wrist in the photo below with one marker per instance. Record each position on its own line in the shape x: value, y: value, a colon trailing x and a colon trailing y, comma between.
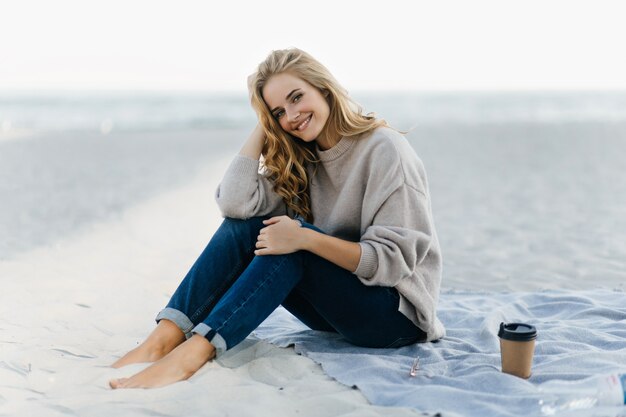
x: 308, y: 239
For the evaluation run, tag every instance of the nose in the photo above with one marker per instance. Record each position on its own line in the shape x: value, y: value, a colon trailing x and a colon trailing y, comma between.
x: 292, y: 114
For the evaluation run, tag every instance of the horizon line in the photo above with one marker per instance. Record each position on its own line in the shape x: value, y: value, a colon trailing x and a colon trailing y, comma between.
x: 239, y: 92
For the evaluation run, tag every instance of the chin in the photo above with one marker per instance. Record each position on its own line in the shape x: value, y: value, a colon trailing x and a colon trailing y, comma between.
x: 303, y: 139
x: 307, y: 139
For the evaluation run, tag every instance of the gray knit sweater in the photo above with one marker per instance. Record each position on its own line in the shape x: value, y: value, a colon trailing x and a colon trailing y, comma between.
x: 372, y: 190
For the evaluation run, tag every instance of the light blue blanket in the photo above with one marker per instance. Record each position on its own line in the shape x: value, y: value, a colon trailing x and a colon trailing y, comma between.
x: 580, y: 333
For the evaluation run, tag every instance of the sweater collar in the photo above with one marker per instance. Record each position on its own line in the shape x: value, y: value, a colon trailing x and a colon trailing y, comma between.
x: 336, y: 151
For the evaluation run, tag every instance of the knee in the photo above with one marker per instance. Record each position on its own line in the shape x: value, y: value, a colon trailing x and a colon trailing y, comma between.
x: 238, y: 229
x: 243, y: 224
x: 233, y: 220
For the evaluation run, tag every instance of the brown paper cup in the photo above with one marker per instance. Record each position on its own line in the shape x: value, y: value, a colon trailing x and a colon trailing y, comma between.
x: 517, y: 347
x: 517, y: 357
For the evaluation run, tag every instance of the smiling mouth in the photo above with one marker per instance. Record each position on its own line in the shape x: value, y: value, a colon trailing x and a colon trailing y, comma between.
x: 304, y: 124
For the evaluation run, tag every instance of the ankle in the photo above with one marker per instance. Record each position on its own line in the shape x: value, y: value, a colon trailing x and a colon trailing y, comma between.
x: 155, y: 350
x: 165, y: 337
x: 200, y: 349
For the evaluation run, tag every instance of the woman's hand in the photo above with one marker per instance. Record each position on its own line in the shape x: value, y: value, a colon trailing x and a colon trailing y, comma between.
x: 282, y: 235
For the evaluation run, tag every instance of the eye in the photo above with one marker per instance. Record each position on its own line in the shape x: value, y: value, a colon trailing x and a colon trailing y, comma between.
x: 280, y: 113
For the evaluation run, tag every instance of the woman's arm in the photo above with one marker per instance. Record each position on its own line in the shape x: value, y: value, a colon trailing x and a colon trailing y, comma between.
x: 284, y: 235
x: 253, y: 146
x: 341, y: 252
x: 243, y: 191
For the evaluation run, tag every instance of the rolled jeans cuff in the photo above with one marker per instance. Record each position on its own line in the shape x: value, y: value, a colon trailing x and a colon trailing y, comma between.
x: 212, y: 336
x: 178, y: 318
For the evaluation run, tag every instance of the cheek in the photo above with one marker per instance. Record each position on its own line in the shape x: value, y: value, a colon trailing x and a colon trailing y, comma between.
x: 283, y: 123
x: 323, y: 107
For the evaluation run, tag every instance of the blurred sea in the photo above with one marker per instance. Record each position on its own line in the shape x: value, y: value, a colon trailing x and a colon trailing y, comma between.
x: 523, y: 184
x: 124, y: 112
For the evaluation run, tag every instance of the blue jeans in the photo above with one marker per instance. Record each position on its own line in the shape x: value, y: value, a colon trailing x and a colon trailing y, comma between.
x: 229, y: 291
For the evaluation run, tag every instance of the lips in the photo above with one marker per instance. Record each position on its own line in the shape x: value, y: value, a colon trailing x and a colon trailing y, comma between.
x: 305, y: 123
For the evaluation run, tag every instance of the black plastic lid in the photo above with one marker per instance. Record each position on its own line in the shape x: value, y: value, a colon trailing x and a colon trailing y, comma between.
x: 519, y: 332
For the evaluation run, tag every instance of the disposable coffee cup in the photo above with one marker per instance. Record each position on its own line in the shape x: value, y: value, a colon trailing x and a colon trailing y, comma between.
x: 517, y: 346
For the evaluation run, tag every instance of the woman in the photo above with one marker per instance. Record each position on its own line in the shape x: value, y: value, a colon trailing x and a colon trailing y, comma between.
x: 337, y: 228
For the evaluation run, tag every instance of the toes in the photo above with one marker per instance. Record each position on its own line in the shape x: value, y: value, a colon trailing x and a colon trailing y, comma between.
x: 118, y: 383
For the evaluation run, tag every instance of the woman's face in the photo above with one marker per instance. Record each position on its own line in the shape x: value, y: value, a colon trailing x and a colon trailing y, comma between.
x: 300, y: 109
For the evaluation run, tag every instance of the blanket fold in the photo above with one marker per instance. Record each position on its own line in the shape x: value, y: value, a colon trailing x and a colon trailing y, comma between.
x: 580, y: 334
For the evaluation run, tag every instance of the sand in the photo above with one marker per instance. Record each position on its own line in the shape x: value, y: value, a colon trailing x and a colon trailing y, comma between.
x: 68, y: 310
x: 517, y: 208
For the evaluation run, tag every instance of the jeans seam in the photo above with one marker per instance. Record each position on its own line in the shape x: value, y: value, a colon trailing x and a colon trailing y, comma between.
x: 202, y: 311
x: 205, y: 306
x: 262, y: 284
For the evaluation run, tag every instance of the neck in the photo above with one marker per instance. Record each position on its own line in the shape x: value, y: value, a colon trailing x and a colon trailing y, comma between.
x: 325, y: 141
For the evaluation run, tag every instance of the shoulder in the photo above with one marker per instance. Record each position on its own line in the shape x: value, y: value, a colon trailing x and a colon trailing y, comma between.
x: 388, y: 149
x: 386, y: 143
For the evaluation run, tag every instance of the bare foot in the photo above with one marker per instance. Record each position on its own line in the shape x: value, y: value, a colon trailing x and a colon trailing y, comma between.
x: 180, y: 364
x: 165, y: 337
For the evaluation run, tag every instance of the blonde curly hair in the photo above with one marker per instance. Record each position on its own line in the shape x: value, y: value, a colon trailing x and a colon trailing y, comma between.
x: 286, y: 157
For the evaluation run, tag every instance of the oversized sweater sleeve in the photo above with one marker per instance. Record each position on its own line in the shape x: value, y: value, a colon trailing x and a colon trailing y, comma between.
x: 245, y: 193
x: 399, y: 235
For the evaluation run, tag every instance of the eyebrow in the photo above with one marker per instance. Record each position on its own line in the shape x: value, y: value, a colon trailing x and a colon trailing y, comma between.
x: 286, y: 98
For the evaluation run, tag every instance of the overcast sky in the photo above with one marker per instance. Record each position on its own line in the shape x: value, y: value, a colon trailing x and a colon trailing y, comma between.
x: 368, y: 45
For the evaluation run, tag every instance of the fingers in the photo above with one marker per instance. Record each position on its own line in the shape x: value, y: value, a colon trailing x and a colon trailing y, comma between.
x: 262, y: 246
x: 263, y: 239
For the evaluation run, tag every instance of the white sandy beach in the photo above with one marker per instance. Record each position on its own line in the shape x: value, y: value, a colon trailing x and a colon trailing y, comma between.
x: 68, y: 311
